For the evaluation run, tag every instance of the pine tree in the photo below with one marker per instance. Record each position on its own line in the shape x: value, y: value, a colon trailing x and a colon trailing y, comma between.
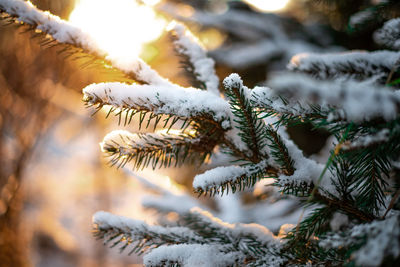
x: 350, y: 202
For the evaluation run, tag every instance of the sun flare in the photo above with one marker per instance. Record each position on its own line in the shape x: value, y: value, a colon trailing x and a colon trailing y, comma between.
x: 120, y: 27
x: 268, y: 5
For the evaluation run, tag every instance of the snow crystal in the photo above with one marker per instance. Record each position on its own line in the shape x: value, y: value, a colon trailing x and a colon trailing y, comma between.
x: 189, y: 45
x: 175, y: 100
x: 357, y: 101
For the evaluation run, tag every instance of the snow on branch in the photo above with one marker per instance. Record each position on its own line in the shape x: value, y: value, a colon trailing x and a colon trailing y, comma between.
x: 251, y: 127
x: 170, y: 100
x: 235, y: 243
x: 354, y: 101
x: 65, y: 33
x: 187, y: 45
x: 275, y: 105
x: 389, y: 34
x: 250, y: 239
x: 157, y: 149
x: 221, y: 179
x: 139, y: 235
x: 373, y: 242
x: 368, y: 140
x: 187, y: 255
x: 355, y: 65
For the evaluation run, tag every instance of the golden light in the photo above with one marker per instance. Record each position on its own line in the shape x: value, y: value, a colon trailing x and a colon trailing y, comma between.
x: 268, y: 5
x: 120, y: 27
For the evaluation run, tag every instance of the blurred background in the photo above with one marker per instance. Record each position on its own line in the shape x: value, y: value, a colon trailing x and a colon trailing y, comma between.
x: 52, y: 174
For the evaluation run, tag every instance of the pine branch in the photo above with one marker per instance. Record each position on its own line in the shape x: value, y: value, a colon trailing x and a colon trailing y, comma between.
x: 198, y: 66
x: 350, y: 65
x: 345, y: 177
x: 352, y: 101
x: 279, y: 151
x: 252, y: 240
x: 251, y: 127
x: 182, y: 103
x: 157, y: 150
x: 137, y: 235
x: 187, y: 255
x: 63, y: 32
x: 289, y: 112
x: 372, y: 169
x: 347, y: 207
x: 361, y: 240
x: 67, y: 51
x: 234, y: 178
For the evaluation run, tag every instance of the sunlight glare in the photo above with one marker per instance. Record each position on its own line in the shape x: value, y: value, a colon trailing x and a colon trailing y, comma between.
x: 268, y: 5
x: 120, y: 27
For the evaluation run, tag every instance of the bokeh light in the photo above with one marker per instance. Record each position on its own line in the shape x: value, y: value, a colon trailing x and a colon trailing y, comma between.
x: 120, y: 27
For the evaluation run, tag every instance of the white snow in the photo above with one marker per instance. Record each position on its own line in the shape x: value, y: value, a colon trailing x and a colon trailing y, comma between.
x: 382, y: 240
x: 233, y: 81
x: 238, y: 231
x: 162, y: 99
x: 128, y: 142
x: 65, y: 32
x: 221, y: 175
x: 355, y: 101
x: 338, y: 221
x: 306, y: 170
x: 358, y: 65
x: 109, y: 222
x: 189, y: 255
x: 366, y: 140
x: 190, y: 46
x: 389, y: 34
x: 265, y: 97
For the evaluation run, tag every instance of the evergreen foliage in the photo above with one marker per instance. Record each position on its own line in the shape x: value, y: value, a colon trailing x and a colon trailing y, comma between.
x: 351, y: 217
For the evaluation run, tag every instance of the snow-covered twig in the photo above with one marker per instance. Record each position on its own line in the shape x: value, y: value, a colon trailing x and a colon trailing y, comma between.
x: 65, y: 33
x: 389, y: 34
x: 373, y: 241
x: 354, y: 101
x: 221, y: 179
x: 350, y: 65
x: 138, y: 234
x: 202, y: 66
x: 170, y: 100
